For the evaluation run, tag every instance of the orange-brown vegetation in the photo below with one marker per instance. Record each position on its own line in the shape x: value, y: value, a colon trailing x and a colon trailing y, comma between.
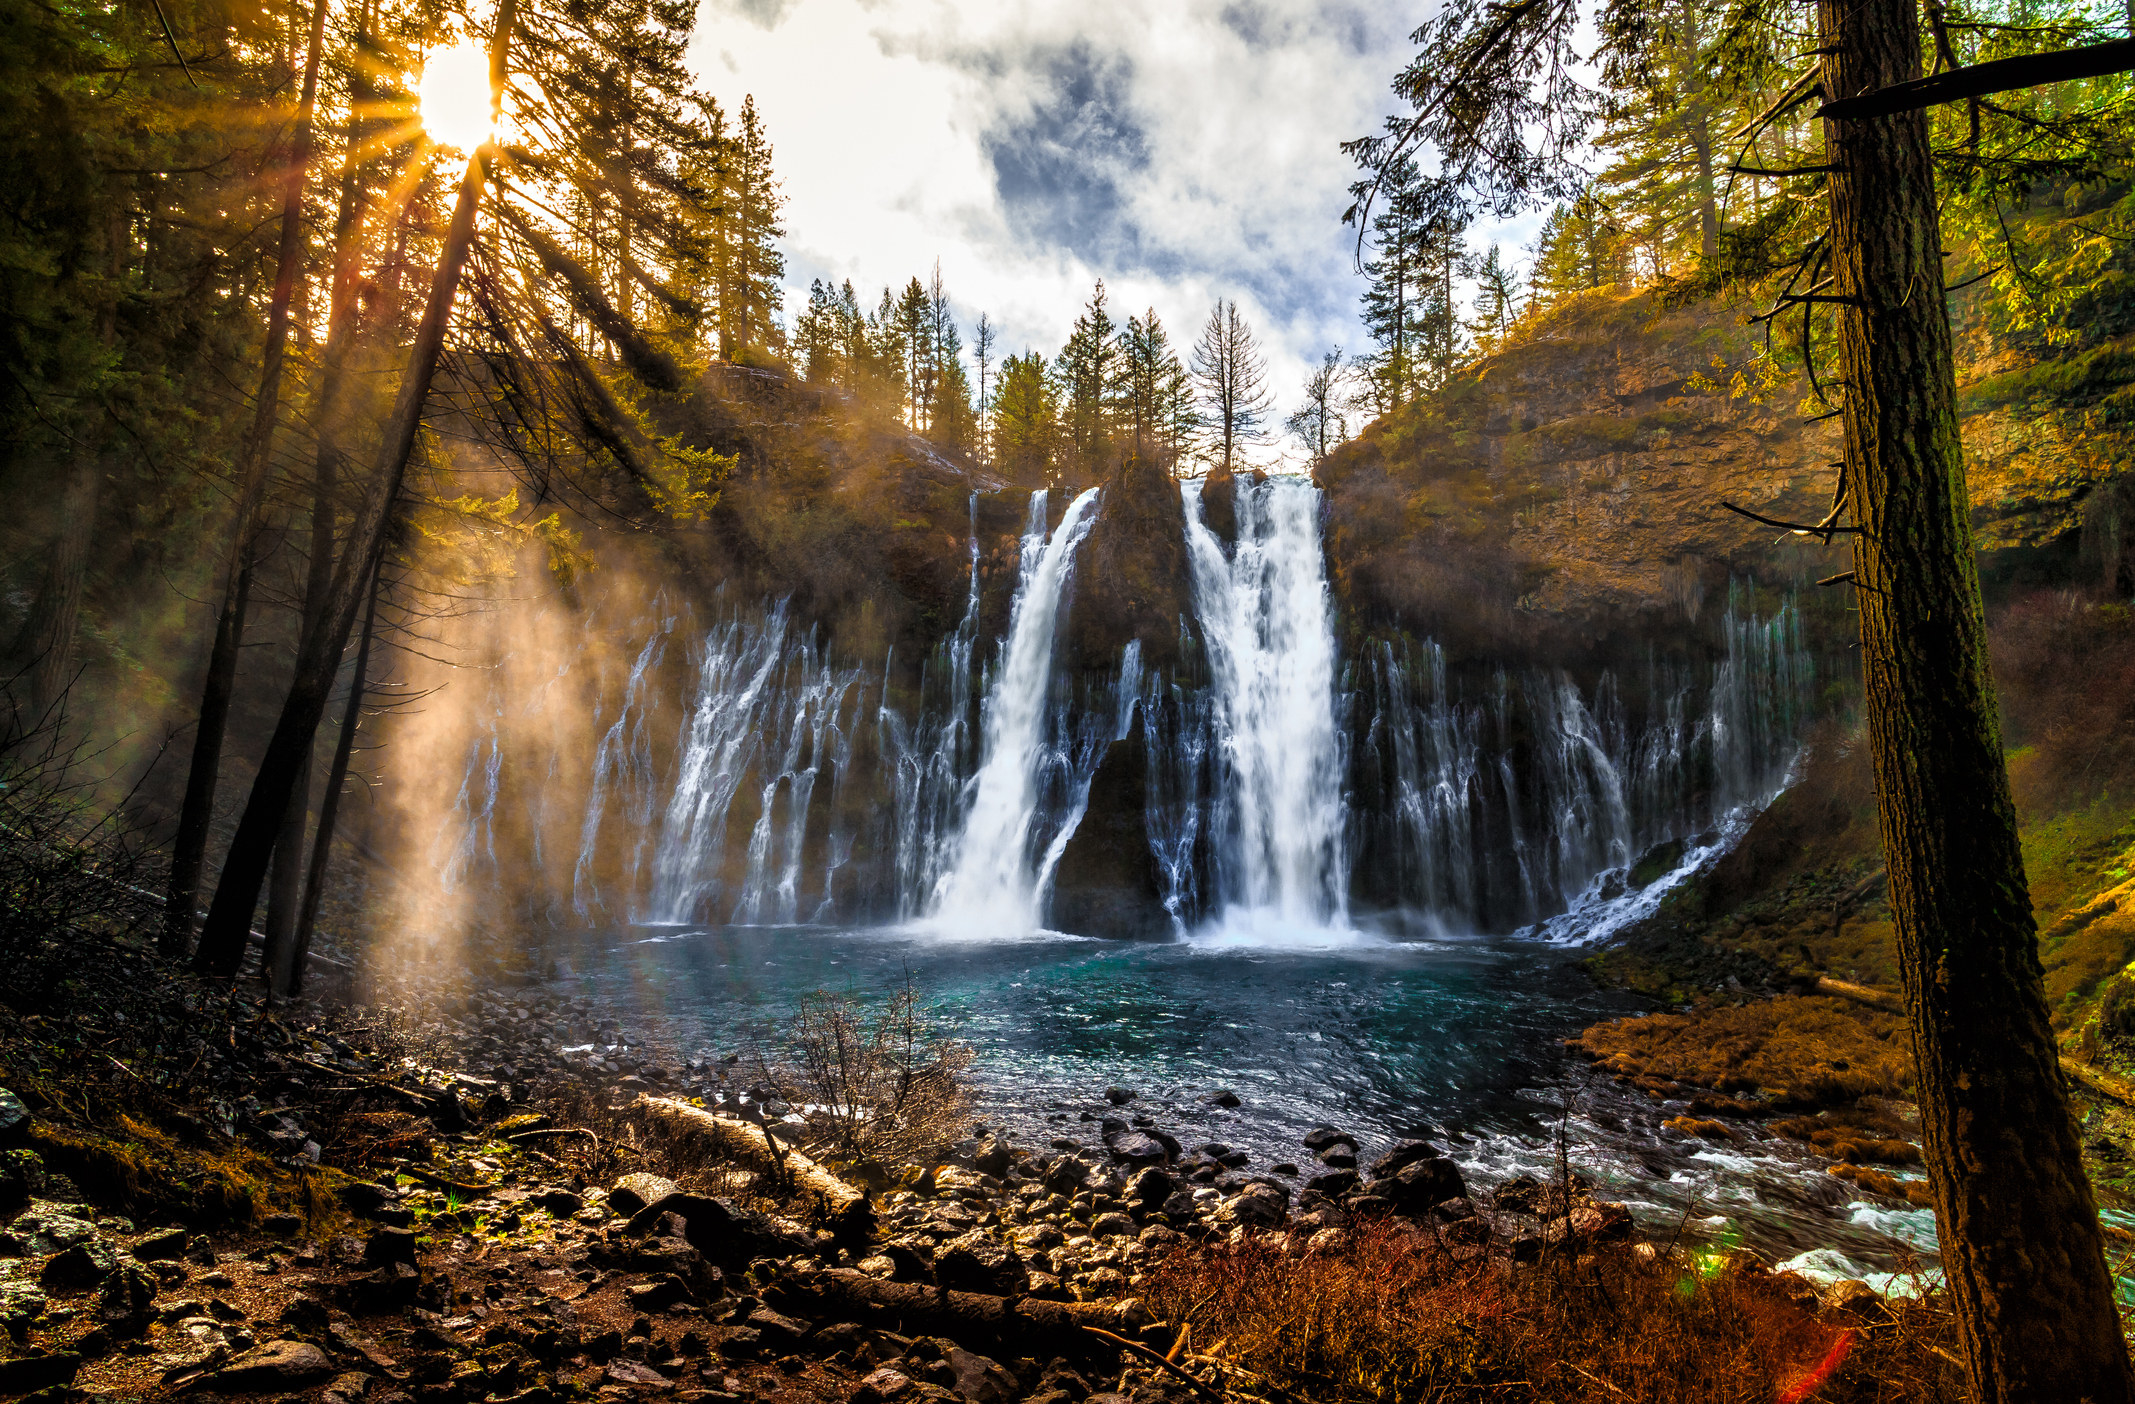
x: 1391, y: 1316
x: 1799, y: 1050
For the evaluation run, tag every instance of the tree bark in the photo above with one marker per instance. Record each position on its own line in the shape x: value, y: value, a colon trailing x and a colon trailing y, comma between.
x: 322, y: 843
x: 2020, y: 1238
x: 196, y: 810
x: 196, y: 813
x: 222, y: 941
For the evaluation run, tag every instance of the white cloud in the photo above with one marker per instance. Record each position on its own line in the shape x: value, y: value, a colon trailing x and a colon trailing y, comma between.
x: 1182, y: 150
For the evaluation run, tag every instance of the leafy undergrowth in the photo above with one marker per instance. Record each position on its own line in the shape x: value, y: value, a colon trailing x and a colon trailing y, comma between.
x: 1393, y: 1316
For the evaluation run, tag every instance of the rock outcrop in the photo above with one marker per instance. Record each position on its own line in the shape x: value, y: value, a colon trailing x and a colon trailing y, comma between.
x: 1107, y: 883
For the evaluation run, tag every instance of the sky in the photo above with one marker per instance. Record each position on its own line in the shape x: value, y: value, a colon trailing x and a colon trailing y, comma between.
x: 1182, y: 150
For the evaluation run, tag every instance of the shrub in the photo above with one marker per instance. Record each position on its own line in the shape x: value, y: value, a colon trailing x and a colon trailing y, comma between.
x: 1392, y: 1315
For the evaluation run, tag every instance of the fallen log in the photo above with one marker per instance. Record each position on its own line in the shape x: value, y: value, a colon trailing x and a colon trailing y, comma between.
x: 842, y: 1209
x: 2097, y: 1080
x: 1029, y: 1326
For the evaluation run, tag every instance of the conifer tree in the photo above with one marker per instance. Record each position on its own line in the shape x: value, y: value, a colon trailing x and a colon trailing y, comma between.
x: 982, y: 341
x: 1026, y: 421
x: 1086, y: 368
x: 1150, y: 382
x: 1497, y: 300
x: 752, y: 290
x: 1232, y: 377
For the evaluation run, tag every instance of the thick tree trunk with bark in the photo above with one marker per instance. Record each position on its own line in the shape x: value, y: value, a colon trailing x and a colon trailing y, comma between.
x: 2020, y: 1238
x: 222, y: 942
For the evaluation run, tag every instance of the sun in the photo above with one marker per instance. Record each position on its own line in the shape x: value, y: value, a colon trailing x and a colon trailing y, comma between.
x: 453, y: 97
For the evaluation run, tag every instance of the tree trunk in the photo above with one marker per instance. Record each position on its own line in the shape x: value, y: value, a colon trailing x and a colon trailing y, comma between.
x: 319, y: 656
x: 322, y: 843
x: 196, y: 810
x: 2019, y: 1232
x: 285, y: 892
x: 196, y: 813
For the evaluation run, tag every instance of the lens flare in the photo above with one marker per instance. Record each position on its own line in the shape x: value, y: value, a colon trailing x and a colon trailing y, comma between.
x: 453, y: 97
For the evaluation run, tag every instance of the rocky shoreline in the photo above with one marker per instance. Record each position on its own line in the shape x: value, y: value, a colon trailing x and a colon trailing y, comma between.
x: 474, y: 1200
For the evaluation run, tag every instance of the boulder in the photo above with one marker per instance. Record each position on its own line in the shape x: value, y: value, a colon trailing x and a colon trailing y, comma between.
x: 1333, y: 1183
x: 1136, y: 1148
x: 1066, y: 1175
x: 979, y: 1380
x: 657, y: 1295
x: 29, y: 1373
x: 1422, y: 1185
x: 1150, y: 1186
x: 559, y: 1202
x: 277, y: 1365
x: 42, y: 1230
x: 1402, y: 1155
x: 1319, y: 1138
x: 390, y: 1245
x: 979, y: 1262
x: 21, y: 1179
x: 390, y: 1288
x: 79, y: 1268
x: 159, y: 1246
x: 128, y: 1303
x: 1852, y: 1297
x: 14, y: 1120
x: 635, y: 1191
x: 1111, y: 1225
x: 1339, y: 1156
x: 1223, y: 1098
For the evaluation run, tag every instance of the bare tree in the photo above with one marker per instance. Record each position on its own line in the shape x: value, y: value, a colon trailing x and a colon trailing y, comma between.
x: 1322, y: 421
x: 1232, y: 377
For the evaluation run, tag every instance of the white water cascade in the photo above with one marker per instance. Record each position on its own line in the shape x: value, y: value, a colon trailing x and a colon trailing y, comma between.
x: 994, y: 882
x: 1268, y: 622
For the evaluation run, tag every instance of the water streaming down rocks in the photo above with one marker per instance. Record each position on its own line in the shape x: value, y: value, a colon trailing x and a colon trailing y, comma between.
x: 1267, y: 768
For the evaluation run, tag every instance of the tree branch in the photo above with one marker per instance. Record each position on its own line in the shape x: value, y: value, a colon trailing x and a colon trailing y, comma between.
x: 1980, y: 79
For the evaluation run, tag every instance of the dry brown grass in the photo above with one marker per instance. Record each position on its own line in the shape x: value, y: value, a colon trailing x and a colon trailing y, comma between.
x: 1391, y: 1317
x: 1802, y: 1050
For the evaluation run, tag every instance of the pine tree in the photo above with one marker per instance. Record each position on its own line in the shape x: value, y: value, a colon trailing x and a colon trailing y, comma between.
x: 1393, y: 312
x: 1086, y: 368
x: 1149, y: 381
x: 1026, y: 421
x: 753, y: 290
x: 914, y: 317
x: 1231, y: 375
x: 1497, y: 301
x: 1581, y: 248
x: 982, y: 340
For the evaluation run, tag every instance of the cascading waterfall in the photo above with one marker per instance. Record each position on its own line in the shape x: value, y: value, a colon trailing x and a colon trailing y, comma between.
x: 742, y: 772
x: 1512, y: 807
x: 995, y: 880
x: 1268, y: 622
x: 769, y: 708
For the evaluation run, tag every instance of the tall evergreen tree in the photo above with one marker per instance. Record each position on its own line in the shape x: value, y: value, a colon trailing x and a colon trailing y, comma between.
x: 1150, y: 382
x: 1025, y: 431
x: 1086, y: 368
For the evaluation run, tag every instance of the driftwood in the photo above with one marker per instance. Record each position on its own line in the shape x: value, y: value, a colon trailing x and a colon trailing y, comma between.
x: 1033, y: 1327
x: 844, y: 1210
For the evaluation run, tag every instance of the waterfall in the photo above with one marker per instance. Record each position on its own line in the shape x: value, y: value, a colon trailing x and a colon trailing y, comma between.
x: 995, y: 880
x: 742, y: 770
x: 1544, y: 797
x: 768, y: 708
x: 1268, y: 622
